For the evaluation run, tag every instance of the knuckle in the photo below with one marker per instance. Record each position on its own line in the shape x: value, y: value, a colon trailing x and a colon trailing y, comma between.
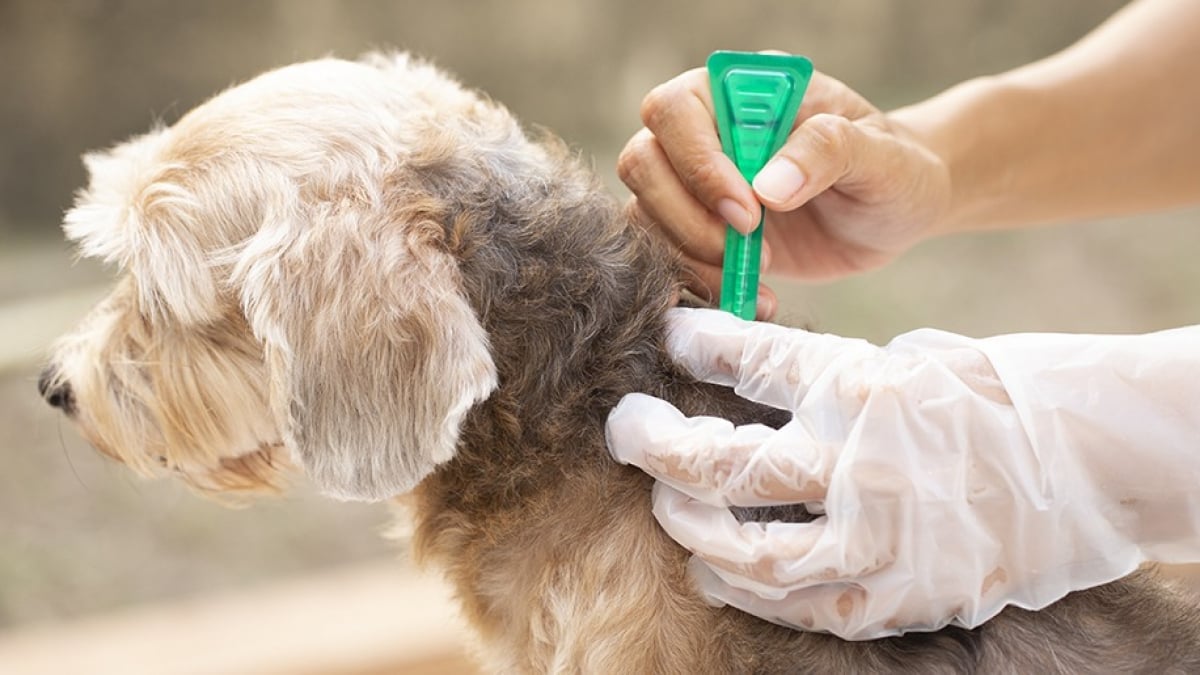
x: 661, y: 105
x: 658, y: 105
x: 634, y: 160
x: 700, y: 176
x: 830, y: 134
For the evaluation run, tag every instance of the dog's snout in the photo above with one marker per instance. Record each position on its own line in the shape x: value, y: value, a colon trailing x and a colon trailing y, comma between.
x: 55, y: 390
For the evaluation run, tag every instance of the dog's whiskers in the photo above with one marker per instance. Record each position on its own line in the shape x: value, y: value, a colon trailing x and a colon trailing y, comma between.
x: 62, y: 444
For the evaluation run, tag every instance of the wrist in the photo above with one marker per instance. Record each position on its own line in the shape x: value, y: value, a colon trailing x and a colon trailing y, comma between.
x: 973, y: 131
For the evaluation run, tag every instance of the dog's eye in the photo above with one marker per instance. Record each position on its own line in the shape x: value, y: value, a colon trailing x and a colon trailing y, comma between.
x: 162, y: 461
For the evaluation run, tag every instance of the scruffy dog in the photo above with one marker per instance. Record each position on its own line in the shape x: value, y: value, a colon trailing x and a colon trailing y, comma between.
x: 366, y: 272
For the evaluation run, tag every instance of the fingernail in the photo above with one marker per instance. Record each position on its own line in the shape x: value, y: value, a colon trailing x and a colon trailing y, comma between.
x: 779, y: 180
x: 735, y: 215
x: 766, y: 306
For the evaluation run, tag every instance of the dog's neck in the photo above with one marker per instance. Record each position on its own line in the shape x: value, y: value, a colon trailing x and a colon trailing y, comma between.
x: 576, y: 320
x: 575, y: 313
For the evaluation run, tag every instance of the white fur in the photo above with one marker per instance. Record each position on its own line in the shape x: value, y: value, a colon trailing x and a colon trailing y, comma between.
x: 275, y: 215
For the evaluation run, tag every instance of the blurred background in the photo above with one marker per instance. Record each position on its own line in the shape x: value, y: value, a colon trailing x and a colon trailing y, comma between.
x: 84, y: 544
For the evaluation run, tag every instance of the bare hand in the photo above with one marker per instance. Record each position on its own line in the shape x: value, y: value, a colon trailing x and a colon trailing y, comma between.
x: 849, y: 191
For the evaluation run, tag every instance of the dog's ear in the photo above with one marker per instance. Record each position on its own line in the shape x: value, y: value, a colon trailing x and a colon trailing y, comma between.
x: 374, y: 352
x: 139, y: 213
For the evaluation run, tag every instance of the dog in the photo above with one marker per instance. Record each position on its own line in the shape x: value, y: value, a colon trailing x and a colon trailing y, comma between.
x: 365, y: 273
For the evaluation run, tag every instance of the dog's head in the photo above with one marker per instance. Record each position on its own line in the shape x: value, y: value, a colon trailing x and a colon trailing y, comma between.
x: 293, y: 291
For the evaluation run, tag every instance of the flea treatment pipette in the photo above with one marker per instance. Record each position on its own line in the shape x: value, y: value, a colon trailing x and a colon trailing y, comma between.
x: 755, y: 97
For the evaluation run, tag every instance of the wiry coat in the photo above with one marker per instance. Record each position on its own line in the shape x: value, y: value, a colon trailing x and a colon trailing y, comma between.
x: 399, y: 290
x: 552, y: 546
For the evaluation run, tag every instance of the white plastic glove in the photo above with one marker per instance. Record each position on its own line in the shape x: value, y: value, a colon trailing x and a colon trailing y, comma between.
x: 957, y: 476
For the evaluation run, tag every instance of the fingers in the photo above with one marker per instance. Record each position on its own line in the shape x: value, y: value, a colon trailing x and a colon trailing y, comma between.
x: 740, y: 550
x: 664, y: 200
x: 867, y: 608
x: 881, y: 191
x: 686, y: 185
x: 845, y: 609
x: 815, y: 156
x: 768, y: 559
x: 713, y: 461
x: 768, y: 304
x: 703, y: 276
x: 766, y: 363
x: 705, y: 281
x: 827, y: 150
x: 679, y: 113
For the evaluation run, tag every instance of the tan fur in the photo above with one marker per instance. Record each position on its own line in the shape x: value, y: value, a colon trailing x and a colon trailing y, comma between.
x: 369, y: 273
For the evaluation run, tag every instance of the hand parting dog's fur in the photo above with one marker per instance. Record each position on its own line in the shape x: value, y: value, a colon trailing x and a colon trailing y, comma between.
x: 364, y: 270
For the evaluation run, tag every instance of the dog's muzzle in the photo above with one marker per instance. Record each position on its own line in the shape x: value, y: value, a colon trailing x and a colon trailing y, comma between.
x: 56, y: 392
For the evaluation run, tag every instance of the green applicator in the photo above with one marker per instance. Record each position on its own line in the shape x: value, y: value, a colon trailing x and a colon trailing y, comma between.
x: 756, y: 97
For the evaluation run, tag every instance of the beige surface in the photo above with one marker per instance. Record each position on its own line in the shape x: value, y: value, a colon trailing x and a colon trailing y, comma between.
x: 375, y: 618
x: 365, y: 620
x: 28, y: 326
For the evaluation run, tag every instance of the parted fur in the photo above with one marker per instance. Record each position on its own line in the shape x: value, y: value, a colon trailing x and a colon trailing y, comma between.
x: 369, y: 272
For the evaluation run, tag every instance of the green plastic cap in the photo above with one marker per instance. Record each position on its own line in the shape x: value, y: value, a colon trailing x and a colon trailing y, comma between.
x: 756, y: 98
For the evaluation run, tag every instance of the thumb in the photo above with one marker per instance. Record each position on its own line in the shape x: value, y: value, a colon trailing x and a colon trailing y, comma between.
x: 826, y: 151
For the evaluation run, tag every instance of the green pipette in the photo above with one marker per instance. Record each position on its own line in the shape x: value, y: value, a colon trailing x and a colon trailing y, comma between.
x: 756, y: 97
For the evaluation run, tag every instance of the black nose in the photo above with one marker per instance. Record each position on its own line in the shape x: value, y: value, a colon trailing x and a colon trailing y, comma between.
x: 57, y: 392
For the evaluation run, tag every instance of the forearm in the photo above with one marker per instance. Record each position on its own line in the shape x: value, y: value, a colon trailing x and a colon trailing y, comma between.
x: 1109, y: 126
x: 1116, y: 418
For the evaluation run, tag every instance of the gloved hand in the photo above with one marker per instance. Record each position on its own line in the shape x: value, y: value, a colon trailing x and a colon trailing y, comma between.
x: 956, y: 476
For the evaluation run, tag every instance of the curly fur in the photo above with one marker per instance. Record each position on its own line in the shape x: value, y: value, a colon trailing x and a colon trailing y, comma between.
x: 364, y: 270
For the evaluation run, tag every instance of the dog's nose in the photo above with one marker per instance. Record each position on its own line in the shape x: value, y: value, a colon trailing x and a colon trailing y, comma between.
x: 56, y: 392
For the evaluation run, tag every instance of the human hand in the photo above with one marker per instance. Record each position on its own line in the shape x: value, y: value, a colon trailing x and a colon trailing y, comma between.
x: 849, y: 190
x: 956, y: 476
